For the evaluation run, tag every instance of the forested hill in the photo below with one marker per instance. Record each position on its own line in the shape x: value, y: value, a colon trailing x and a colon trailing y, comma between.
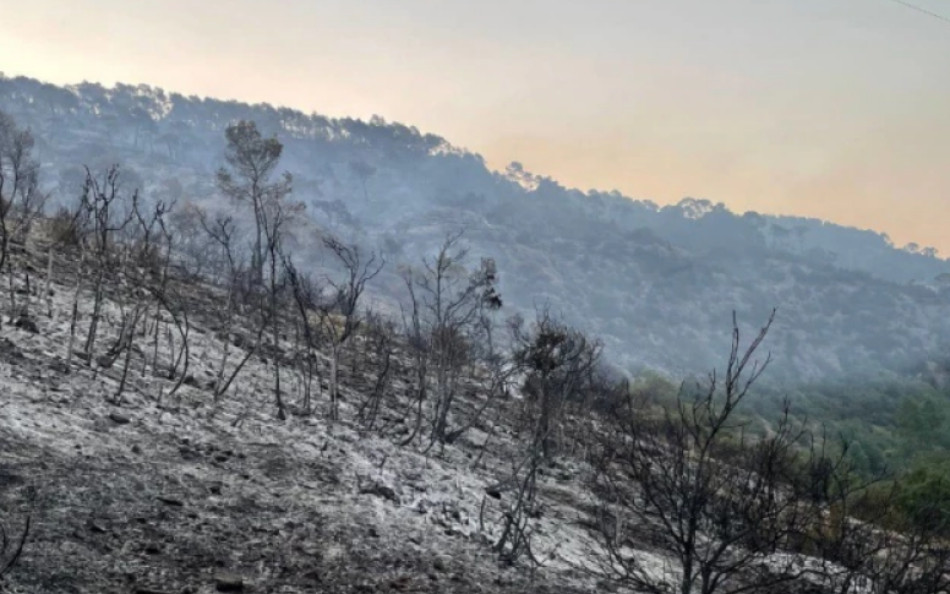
x: 656, y: 284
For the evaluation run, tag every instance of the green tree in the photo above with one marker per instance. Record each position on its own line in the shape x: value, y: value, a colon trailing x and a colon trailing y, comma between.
x: 925, y: 496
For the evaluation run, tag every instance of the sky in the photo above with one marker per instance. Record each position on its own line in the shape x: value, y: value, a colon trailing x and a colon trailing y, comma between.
x: 837, y: 109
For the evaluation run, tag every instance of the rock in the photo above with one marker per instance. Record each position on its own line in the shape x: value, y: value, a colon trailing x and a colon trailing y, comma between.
x: 228, y: 582
x: 382, y: 491
x: 493, y: 492
x: 189, y: 454
x: 10, y: 351
x: 28, y: 324
x: 309, y: 549
x: 439, y: 564
x: 119, y: 418
x: 171, y: 501
x: 136, y: 449
x: 401, y: 584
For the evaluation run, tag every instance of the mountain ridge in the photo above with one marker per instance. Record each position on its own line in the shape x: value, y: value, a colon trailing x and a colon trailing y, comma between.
x: 657, y: 283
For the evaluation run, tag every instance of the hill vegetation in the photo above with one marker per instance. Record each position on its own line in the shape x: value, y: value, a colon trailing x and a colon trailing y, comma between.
x: 220, y: 377
x: 657, y: 284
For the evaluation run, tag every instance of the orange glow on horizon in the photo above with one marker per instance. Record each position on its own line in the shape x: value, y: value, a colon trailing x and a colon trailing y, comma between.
x: 836, y: 111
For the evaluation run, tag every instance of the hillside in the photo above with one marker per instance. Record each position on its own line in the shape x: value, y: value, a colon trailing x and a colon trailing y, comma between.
x: 174, y: 490
x: 131, y: 469
x: 657, y: 284
x: 203, y: 395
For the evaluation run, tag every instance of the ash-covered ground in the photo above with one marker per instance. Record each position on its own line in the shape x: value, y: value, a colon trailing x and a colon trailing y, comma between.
x: 188, y: 495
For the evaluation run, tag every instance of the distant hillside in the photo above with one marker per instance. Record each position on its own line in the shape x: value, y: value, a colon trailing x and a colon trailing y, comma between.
x: 656, y: 283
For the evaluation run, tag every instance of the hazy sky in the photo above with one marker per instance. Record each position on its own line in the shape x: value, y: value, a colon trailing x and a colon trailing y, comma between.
x: 838, y: 109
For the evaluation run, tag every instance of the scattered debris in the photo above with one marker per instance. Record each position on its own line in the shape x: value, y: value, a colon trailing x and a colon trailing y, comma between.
x: 119, y: 418
x: 382, y: 491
